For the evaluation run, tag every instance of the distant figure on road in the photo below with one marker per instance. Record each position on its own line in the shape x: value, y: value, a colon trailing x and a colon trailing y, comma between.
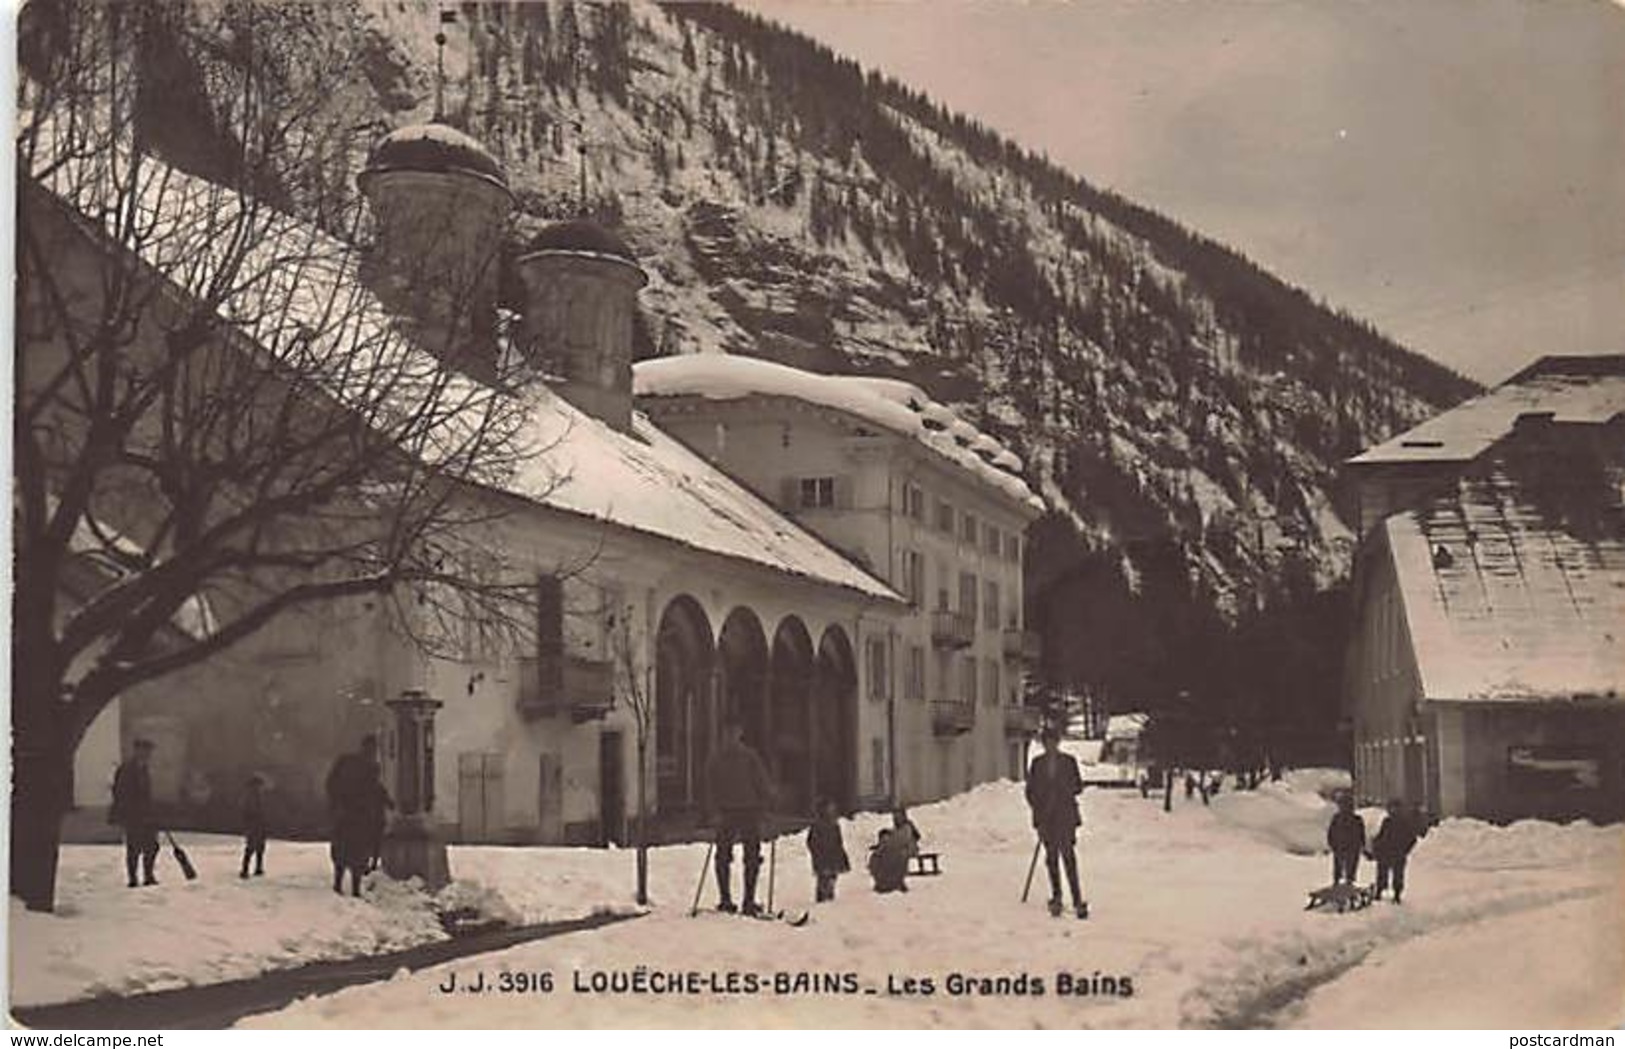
x: 828, y: 851
x: 739, y: 792
x: 357, y: 803
x: 132, y: 809
x: 1392, y: 846
x: 1053, y: 786
x: 253, y: 819
x: 1346, y: 838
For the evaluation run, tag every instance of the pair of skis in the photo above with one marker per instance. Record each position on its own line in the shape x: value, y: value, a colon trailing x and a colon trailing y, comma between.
x: 796, y: 919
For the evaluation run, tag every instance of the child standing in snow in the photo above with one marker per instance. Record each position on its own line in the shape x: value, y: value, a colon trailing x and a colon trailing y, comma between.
x: 829, y: 859
x: 1346, y: 838
x: 888, y: 862
x: 1392, y: 846
x: 253, y: 815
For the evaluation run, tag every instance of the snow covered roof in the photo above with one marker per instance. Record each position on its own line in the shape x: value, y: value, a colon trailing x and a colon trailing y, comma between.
x: 1505, y: 603
x: 1126, y: 726
x: 892, y: 403
x: 307, y: 307
x: 433, y: 147
x: 653, y: 483
x: 1568, y: 389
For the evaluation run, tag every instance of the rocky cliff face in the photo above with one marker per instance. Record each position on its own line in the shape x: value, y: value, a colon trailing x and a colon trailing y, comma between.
x: 1183, y: 412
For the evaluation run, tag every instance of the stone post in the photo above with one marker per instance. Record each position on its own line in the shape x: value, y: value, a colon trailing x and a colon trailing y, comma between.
x: 411, y: 847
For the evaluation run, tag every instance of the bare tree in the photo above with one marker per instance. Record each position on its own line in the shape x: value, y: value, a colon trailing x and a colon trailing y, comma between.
x: 639, y: 695
x: 214, y: 420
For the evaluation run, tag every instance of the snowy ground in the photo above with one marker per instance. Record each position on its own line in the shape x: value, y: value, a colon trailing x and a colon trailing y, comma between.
x: 1200, y: 910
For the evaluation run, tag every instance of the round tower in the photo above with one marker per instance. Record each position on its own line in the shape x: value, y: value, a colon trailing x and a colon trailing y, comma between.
x: 581, y: 290
x: 440, y: 202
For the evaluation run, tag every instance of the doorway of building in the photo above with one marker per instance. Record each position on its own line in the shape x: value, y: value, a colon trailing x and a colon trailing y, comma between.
x: 479, y: 796
x: 611, y: 789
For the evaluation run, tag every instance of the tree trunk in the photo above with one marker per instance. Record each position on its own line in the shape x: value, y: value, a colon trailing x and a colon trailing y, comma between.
x: 42, y: 774
x: 643, y: 821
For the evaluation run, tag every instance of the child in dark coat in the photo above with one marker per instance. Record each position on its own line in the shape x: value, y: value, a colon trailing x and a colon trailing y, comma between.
x: 829, y: 859
x: 1392, y: 846
x: 253, y: 816
x: 888, y: 862
x: 1346, y: 838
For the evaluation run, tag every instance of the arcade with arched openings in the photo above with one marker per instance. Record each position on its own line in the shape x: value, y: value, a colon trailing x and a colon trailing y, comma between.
x: 796, y: 702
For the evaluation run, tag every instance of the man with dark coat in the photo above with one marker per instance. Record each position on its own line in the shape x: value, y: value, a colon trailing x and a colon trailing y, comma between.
x: 1346, y: 838
x: 738, y: 792
x: 357, y: 801
x: 132, y: 808
x: 1392, y: 847
x: 1053, y: 786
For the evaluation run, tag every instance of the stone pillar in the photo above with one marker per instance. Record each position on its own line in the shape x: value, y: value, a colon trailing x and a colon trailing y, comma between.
x: 411, y: 847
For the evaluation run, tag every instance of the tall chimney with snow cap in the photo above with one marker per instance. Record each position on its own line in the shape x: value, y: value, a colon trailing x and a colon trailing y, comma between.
x: 440, y: 202
x: 581, y: 291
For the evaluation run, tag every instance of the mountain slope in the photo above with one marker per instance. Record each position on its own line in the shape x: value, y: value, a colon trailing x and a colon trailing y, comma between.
x: 1183, y: 411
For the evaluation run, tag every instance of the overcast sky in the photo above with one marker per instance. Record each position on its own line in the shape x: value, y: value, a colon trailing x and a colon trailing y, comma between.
x: 1451, y: 170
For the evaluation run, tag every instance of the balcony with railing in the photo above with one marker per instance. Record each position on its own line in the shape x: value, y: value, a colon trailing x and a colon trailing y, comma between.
x: 950, y: 629
x: 1020, y: 722
x: 952, y: 717
x: 567, y: 684
x: 1022, y: 646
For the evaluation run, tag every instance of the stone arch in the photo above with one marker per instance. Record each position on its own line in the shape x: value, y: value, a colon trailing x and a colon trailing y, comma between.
x: 742, y: 672
x: 683, y: 722
x: 834, y: 720
x: 790, y: 753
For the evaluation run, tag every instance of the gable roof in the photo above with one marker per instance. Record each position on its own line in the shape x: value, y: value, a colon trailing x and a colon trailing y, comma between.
x: 1503, y: 603
x: 1568, y: 389
x: 898, y: 406
x: 294, y: 274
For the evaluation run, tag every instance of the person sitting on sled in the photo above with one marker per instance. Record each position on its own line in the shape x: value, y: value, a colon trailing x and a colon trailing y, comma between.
x: 1346, y: 838
x: 1392, y: 846
x: 828, y: 852
x: 888, y: 862
x: 1053, y: 786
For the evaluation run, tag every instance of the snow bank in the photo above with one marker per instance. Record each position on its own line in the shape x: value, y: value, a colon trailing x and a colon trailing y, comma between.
x: 1291, y: 813
x: 1528, y: 843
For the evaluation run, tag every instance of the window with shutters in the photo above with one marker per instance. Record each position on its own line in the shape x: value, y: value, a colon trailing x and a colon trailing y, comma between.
x: 817, y: 492
x: 990, y: 604
x: 550, y: 634
x: 993, y: 541
x: 967, y: 528
x: 912, y: 582
x: 990, y: 682
x: 967, y: 595
x: 914, y: 501
x: 914, y: 680
x: 879, y: 677
x: 967, y: 680
x: 945, y: 516
x: 1012, y: 549
x: 942, y: 585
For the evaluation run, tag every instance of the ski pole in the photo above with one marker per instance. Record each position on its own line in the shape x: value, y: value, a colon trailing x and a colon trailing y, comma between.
x: 1031, y: 867
x: 772, y: 868
x: 700, y: 885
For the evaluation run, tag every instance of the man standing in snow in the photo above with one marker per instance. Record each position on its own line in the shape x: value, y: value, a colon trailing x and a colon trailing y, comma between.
x: 1346, y: 838
x: 1053, y: 786
x: 1392, y: 847
x: 132, y: 808
x: 738, y: 792
x: 357, y: 801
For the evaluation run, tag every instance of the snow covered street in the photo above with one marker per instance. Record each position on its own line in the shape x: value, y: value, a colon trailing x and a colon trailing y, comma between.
x: 1197, y: 920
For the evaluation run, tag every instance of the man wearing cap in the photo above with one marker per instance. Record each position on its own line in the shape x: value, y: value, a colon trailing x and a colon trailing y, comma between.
x: 1053, y: 786
x: 132, y: 808
x: 739, y: 791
